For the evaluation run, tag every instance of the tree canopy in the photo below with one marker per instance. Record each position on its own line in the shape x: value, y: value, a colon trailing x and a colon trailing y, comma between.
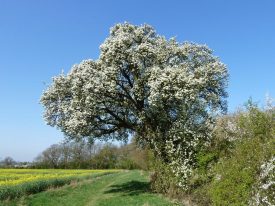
x: 162, y: 91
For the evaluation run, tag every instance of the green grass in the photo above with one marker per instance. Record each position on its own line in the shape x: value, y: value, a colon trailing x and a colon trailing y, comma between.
x: 123, y: 188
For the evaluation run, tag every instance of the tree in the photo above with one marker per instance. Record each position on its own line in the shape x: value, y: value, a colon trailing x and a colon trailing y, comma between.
x: 106, y: 158
x: 51, y: 157
x: 74, y: 155
x: 163, y: 92
x: 8, y: 162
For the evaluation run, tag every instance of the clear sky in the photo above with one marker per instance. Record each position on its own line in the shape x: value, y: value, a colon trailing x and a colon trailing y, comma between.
x: 40, y: 38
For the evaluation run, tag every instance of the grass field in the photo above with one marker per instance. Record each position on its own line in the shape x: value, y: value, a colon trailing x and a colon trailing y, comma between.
x: 114, y: 188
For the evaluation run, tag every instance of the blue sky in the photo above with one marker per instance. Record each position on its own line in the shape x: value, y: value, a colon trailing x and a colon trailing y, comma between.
x: 40, y: 38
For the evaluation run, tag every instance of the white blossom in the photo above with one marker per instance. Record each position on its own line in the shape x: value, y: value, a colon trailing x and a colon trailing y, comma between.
x: 164, y: 92
x: 264, y: 191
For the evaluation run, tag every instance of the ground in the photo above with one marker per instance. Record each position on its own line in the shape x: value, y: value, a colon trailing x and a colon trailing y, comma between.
x: 129, y: 188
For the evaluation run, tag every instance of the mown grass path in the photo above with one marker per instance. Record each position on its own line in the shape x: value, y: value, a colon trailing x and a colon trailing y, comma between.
x: 118, y: 189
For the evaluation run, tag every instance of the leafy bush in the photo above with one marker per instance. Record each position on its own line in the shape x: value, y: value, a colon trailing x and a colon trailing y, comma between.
x: 163, y: 180
x: 237, y: 173
x: 236, y: 167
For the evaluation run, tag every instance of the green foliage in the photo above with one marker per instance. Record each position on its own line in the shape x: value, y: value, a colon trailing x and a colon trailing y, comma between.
x: 257, y: 123
x: 163, y: 180
x: 204, y: 158
x: 236, y: 173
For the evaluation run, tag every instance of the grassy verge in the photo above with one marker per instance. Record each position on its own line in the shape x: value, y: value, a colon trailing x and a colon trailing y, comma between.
x: 123, y: 188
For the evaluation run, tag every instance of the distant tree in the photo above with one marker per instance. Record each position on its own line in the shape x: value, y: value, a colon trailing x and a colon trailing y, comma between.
x: 106, y: 158
x: 79, y: 154
x: 74, y: 154
x: 66, y: 155
x: 162, y: 91
x: 8, y: 162
x: 51, y: 157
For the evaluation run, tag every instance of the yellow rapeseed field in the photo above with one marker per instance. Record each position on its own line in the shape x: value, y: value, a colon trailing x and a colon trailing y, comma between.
x: 19, y: 176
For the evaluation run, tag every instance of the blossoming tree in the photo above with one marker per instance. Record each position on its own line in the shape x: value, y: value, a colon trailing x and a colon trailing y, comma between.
x: 164, y: 92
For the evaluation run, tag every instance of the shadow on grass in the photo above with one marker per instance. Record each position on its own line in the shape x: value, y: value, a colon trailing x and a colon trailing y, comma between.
x: 130, y: 188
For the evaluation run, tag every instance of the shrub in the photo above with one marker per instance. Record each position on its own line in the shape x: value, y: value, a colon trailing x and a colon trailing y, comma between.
x: 237, y: 172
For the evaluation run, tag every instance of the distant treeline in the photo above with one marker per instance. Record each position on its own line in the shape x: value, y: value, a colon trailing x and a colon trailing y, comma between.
x: 85, y: 155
